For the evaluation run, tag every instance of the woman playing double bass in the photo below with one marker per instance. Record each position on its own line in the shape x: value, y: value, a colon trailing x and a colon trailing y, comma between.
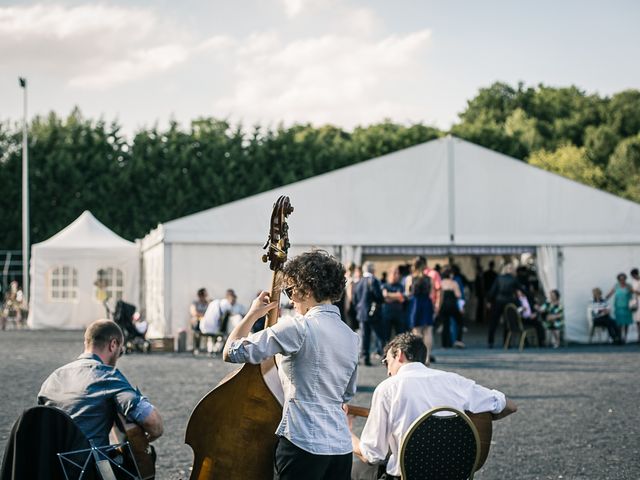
x: 317, y: 370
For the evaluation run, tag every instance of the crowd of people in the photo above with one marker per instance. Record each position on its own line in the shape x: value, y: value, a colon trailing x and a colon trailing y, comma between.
x: 414, y: 297
x: 417, y: 298
x: 625, y: 297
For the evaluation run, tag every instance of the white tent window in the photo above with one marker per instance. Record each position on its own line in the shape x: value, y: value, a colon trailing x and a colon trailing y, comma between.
x: 110, y: 284
x: 63, y: 284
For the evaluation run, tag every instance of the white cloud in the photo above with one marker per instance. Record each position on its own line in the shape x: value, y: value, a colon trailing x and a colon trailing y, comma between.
x: 96, y: 46
x: 343, y: 69
x: 55, y: 21
x: 137, y: 65
x: 293, y: 8
x: 332, y: 78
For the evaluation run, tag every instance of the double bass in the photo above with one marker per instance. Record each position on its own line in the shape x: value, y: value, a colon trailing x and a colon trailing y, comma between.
x: 232, y: 429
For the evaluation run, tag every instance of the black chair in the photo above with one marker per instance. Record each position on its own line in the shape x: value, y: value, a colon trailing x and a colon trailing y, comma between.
x: 37, y: 437
x: 440, y: 447
x: 514, y: 326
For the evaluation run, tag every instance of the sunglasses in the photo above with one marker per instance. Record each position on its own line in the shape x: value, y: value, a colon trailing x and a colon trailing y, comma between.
x: 384, y: 361
x: 288, y: 291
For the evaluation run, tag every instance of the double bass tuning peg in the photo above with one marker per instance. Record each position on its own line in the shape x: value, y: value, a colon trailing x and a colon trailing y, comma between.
x: 265, y: 258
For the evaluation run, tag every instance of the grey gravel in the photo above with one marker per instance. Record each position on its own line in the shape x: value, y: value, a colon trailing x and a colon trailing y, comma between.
x: 578, y: 412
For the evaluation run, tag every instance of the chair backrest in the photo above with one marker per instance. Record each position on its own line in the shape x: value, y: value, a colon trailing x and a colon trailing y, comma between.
x: 512, y: 318
x: 38, y: 435
x: 440, y: 447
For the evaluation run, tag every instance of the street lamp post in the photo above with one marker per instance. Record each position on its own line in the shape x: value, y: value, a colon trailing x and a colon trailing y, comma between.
x: 25, y: 197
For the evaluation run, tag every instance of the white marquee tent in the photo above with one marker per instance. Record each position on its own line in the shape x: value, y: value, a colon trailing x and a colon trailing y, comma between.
x: 446, y: 196
x: 65, y: 267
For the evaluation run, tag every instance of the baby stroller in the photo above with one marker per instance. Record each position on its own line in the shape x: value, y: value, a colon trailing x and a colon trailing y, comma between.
x: 134, y: 340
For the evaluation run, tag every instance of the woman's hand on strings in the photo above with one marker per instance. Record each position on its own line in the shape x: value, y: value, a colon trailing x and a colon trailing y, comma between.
x: 261, y: 305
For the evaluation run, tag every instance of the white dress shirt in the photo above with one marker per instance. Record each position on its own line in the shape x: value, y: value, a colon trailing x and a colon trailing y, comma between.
x: 212, y: 320
x: 402, y: 398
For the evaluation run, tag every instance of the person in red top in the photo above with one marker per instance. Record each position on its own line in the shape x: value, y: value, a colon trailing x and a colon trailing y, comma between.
x: 436, y: 286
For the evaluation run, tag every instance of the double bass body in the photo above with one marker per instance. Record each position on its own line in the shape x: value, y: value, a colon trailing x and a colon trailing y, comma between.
x: 232, y: 429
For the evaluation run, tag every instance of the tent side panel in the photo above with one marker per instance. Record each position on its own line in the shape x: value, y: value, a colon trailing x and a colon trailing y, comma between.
x: 585, y: 268
x: 71, y: 314
x: 217, y: 268
x: 153, y: 289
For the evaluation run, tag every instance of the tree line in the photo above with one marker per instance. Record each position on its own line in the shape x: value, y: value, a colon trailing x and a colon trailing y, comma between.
x: 133, y: 184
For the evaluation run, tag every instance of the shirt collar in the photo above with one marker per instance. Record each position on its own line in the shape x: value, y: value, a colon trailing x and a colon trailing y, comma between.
x: 411, y: 367
x: 324, y: 307
x: 90, y: 356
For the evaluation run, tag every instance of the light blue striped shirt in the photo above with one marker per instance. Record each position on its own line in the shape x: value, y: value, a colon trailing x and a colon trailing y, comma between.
x: 318, y: 373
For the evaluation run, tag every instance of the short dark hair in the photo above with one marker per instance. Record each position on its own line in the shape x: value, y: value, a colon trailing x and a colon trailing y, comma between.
x: 557, y: 292
x: 202, y: 291
x: 412, y: 346
x: 634, y: 271
x: 317, y: 273
x: 100, y: 333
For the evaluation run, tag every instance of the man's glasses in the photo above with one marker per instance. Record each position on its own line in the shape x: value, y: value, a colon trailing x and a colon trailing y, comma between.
x: 384, y: 361
x: 288, y: 291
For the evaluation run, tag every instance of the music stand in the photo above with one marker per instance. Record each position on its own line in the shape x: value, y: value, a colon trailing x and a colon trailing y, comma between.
x: 104, y: 463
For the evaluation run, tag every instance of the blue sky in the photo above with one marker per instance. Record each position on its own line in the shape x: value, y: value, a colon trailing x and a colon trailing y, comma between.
x: 321, y: 61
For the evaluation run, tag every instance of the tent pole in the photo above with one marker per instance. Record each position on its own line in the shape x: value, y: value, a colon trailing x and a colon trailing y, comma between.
x: 452, y: 195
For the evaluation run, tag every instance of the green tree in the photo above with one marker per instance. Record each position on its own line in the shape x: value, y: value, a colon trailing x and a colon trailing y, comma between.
x: 624, y: 168
x: 570, y: 162
x: 600, y: 142
x: 624, y: 113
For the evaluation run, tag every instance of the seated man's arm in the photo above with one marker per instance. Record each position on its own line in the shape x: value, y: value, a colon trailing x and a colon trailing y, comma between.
x: 509, y: 408
x: 482, y: 399
x: 153, y: 425
x: 373, y: 444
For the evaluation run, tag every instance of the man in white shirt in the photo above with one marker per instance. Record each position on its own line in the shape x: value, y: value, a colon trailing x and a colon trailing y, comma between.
x: 411, y: 390
x: 236, y: 310
x: 214, y: 316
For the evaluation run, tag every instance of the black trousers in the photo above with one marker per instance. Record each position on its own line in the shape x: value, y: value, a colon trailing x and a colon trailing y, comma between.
x: 611, y: 326
x: 497, y: 308
x: 537, y: 324
x: 294, y: 463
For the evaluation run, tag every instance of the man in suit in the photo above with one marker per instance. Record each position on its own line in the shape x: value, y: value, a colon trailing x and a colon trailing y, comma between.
x: 368, y: 300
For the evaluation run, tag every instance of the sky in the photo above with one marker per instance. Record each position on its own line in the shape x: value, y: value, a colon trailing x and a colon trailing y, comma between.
x: 342, y: 62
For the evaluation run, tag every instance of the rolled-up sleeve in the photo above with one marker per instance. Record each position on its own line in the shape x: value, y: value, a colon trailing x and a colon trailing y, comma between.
x: 285, y: 337
x: 483, y: 399
x: 141, y: 411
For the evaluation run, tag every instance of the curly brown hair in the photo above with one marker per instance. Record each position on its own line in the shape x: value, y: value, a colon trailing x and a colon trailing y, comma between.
x: 317, y: 273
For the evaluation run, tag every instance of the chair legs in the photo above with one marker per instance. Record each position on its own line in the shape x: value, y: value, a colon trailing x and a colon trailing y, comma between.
x: 507, y: 340
x: 523, y: 337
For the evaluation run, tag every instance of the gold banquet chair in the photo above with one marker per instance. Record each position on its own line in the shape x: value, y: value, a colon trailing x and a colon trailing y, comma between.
x: 514, y: 326
x: 440, y: 447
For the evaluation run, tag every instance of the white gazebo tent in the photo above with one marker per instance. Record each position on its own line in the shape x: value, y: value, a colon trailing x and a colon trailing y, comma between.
x: 446, y: 196
x: 65, y: 267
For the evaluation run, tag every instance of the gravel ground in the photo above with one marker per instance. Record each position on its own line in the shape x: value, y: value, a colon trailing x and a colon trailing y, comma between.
x: 578, y: 412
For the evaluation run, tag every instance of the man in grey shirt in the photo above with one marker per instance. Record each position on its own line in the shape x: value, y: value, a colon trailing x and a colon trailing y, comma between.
x: 93, y: 391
